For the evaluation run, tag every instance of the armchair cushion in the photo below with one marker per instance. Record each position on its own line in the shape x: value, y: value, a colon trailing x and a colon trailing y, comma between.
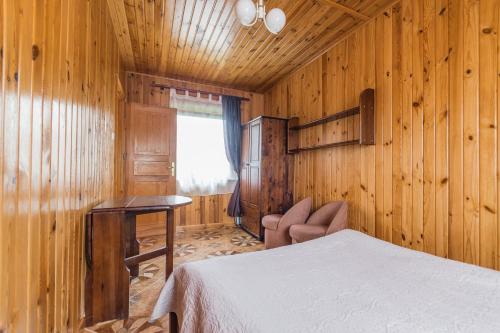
x: 305, y: 232
x: 271, y: 221
x: 328, y: 219
x: 277, y: 227
x: 340, y: 220
x: 298, y: 214
x: 325, y: 214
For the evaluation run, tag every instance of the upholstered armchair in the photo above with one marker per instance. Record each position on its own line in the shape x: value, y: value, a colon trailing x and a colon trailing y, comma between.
x: 330, y: 218
x: 277, y: 227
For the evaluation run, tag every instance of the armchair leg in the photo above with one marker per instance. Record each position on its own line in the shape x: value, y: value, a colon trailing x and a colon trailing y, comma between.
x: 173, y: 324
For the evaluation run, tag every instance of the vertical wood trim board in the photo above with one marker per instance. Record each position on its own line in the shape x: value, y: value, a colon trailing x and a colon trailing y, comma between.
x: 58, y: 72
x: 431, y: 182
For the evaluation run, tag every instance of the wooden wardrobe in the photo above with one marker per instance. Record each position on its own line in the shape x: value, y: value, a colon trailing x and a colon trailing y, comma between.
x: 265, y: 172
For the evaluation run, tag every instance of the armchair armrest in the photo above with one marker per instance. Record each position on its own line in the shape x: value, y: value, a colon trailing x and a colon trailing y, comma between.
x: 271, y: 221
x: 339, y: 222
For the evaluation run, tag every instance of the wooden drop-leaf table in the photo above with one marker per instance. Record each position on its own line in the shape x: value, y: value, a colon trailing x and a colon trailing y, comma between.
x: 112, y: 252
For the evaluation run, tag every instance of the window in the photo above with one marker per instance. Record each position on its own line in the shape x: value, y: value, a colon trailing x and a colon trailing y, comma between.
x: 202, y: 165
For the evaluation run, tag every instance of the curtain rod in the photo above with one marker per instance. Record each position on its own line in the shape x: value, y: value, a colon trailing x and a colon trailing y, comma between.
x: 157, y: 85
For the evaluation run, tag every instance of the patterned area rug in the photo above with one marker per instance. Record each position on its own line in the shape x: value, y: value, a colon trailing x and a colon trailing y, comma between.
x: 191, y: 243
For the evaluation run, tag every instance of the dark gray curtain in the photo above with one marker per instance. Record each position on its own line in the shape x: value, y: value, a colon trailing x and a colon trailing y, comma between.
x: 231, y: 116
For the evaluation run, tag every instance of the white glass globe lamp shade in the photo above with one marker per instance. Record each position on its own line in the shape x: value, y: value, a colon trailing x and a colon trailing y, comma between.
x: 275, y: 20
x: 246, y: 12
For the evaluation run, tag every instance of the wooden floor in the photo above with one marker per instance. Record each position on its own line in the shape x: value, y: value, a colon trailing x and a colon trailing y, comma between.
x: 192, y: 243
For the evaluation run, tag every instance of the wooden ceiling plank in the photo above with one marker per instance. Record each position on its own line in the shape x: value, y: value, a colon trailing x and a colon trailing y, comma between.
x: 258, y: 37
x: 319, y: 46
x: 240, y: 34
x: 347, y: 10
x: 234, y: 38
x: 300, y: 29
x: 141, y: 32
x: 187, y: 23
x: 132, y: 27
x: 209, y: 33
x: 180, y: 7
x: 308, y: 53
x: 289, y: 50
x: 149, y: 19
x: 119, y: 19
x: 372, y: 7
x: 159, y: 13
x: 245, y: 36
x: 200, y: 34
x: 168, y: 18
x: 297, y: 50
x: 192, y: 33
x: 203, y: 40
x: 215, y: 44
x: 184, y: 30
x: 261, y: 59
x: 207, y: 44
x: 227, y: 34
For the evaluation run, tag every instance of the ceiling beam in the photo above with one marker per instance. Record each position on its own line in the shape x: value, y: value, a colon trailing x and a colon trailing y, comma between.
x: 347, y: 10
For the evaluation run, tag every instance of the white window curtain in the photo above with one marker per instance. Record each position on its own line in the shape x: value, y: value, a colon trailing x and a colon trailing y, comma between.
x: 202, y: 165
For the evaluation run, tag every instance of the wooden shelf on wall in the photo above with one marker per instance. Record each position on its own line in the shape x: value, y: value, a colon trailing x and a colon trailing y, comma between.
x: 344, y: 114
x: 366, y: 111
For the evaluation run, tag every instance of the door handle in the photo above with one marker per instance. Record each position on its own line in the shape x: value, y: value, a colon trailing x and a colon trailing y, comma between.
x: 173, y: 169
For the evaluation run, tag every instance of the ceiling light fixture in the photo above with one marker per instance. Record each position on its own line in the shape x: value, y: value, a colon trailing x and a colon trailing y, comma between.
x: 249, y: 13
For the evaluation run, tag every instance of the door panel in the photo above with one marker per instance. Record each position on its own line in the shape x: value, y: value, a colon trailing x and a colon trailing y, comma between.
x: 254, y: 164
x: 250, y: 177
x: 251, y: 219
x: 255, y: 142
x: 149, y: 188
x: 151, y: 156
x: 245, y: 145
x: 151, y: 138
x: 254, y: 185
x: 244, y: 184
x: 245, y: 153
x: 147, y: 168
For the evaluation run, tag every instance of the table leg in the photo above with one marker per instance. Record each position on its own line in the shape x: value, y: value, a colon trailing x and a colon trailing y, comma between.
x: 131, y: 243
x: 170, y: 243
x: 173, y: 324
x: 107, y: 283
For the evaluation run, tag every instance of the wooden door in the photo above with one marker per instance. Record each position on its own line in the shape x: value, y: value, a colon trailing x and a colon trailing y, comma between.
x: 254, y: 163
x: 245, y: 154
x: 151, y: 158
x: 250, y: 177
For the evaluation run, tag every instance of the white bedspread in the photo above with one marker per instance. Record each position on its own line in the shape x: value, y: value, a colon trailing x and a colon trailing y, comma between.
x: 346, y: 282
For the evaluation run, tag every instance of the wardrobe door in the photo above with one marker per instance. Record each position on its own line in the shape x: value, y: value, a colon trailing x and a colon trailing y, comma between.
x: 244, y: 173
x: 254, y: 163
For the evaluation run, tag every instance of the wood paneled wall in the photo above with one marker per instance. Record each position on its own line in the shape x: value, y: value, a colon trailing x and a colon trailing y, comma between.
x: 59, y: 66
x: 140, y: 90
x: 205, y: 209
x: 431, y: 182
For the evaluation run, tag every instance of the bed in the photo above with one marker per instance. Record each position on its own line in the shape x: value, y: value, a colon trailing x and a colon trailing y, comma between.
x: 345, y: 282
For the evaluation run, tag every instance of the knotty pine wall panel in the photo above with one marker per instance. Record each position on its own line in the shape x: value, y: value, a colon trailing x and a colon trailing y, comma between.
x: 59, y: 67
x: 205, y: 209
x: 140, y: 90
x: 431, y: 182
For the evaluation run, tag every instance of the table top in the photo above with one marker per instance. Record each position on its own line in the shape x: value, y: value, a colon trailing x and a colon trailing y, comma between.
x: 142, y: 203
